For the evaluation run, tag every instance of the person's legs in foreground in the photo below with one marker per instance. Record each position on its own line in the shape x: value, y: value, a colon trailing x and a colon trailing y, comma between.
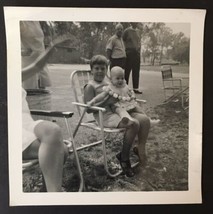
x: 144, y: 126
x: 51, y: 152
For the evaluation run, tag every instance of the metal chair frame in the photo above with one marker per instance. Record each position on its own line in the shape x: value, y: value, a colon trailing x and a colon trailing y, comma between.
x: 85, y: 75
x: 70, y: 142
x: 176, y: 86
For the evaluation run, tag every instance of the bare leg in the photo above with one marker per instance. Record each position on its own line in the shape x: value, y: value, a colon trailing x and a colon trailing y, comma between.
x: 129, y: 136
x: 50, y: 152
x: 123, y: 157
x: 153, y: 122
x: 139, y: 109
x: 143, y: 132
x: 126, y: 119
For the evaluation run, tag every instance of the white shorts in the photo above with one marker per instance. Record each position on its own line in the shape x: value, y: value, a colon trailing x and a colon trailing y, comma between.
x: 28, y: 135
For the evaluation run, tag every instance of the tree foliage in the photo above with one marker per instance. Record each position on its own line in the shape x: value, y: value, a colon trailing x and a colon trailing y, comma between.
x: 90, y: 38
x: 180, y: 48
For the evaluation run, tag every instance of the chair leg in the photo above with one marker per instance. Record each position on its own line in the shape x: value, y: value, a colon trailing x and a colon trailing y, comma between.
x: 44, y: 188
x: 104, y: 149
x: 112, y: 175
x: 81, y: 186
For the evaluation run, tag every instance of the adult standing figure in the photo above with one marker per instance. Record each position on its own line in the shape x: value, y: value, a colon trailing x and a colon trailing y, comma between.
x: 131, y: 40
x: 32, y: 45
x: 115, y: 48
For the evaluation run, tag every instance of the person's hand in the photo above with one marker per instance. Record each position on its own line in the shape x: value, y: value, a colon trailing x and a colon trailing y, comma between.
x: 90, y: 103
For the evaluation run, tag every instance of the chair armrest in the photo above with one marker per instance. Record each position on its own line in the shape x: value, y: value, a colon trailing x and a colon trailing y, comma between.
x: 141, y: 101
x: 173, y: 79
x: 90, y: 107
x: 28, y: 163
x: 52, y: 113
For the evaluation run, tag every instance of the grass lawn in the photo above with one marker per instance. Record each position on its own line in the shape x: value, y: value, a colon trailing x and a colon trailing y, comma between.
x: 183, y: 69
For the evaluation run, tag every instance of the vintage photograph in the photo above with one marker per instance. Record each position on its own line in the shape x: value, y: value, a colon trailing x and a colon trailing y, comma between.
x: 126, y: 63
x: 106, y: 105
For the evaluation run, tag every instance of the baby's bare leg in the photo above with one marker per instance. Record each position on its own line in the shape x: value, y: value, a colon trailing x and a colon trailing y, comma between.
x: 153, y: 121
x: 126, y: 119
x: 138, y: 109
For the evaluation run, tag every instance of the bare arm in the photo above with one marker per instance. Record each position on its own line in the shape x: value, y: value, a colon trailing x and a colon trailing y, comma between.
x: 41, y: 61
x: 37, y: 65
x: 92, y: 100
x: 109, y: 48
x: 99, y: 99
x: 125, y: 36
x: 89, y: 94
x: 109, y: 53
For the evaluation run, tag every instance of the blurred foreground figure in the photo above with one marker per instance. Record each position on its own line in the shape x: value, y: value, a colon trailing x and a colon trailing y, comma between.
x: 42, y: 139
x: 32, y: 45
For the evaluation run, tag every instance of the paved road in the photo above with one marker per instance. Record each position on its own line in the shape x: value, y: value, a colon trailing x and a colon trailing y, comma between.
x: 150, y: 81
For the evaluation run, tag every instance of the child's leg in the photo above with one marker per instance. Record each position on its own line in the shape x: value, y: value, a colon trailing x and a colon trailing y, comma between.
x: 139, y: 110
x: 143, y: 132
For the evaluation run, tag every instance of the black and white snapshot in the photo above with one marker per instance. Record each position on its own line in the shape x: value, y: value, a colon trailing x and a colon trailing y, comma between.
x: 107, y: 104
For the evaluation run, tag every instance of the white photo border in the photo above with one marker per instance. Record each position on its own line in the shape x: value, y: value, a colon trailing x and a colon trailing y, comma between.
x: 196, y: 19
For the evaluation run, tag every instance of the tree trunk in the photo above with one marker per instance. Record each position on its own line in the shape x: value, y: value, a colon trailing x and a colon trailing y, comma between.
x: 153, y: 59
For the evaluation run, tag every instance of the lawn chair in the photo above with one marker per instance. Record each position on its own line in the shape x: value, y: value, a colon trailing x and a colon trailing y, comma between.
x: 176, y: 87
x: 79, y: 79
x: 29, y: 164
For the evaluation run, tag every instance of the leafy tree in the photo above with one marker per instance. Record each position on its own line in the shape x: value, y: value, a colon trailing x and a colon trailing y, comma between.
x: 151, y: 40
x: 90, y: 38
x: 180, y: 48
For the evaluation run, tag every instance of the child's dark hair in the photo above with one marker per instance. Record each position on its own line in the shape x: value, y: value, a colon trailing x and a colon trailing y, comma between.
x: 98, y: 60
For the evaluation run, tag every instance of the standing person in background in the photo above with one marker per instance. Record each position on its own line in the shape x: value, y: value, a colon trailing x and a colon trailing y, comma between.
x: 132, y: 43
x: 115, y: 48
x: 32, y: 45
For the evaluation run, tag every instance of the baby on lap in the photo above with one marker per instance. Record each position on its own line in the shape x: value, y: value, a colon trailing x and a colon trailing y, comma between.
x: 123, y: 96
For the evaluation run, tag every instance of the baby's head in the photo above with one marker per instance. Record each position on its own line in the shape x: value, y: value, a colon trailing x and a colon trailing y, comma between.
x: 98, y: 65
x: 117, y: 77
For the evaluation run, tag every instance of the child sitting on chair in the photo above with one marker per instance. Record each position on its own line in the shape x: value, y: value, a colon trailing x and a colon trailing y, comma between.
x: 123, y: 96
x: 138, y: 124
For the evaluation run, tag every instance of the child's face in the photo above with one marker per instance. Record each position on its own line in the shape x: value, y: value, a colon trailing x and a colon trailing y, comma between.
x: 99, y: 72
x: 117, y: 78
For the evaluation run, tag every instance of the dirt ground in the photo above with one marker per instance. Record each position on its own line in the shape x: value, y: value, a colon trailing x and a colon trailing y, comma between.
x: 167, y: 151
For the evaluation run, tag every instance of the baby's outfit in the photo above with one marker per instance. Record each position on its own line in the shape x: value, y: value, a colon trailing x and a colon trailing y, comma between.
x: 125, y: 96
x: 110, y: 118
